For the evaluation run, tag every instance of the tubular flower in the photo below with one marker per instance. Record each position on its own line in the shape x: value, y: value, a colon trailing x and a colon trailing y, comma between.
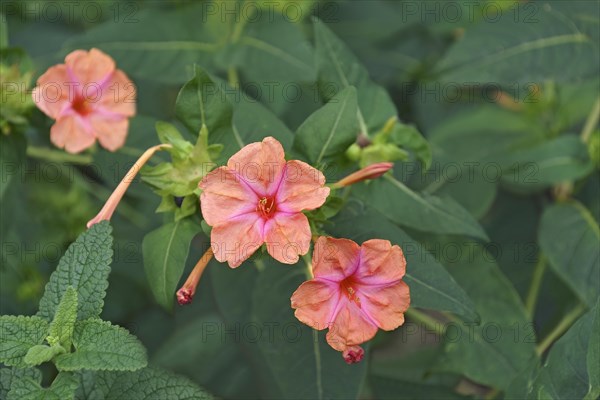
x: 258, y: 198
x: 89, y: 99
x: 355, y: 290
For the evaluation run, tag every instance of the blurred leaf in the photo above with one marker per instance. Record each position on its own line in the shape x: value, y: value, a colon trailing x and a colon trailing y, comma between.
x: 328, y: 132
x: 497, y: 349
x: 99, y: 345
x: 153, y: 43
x: 17, y: 336
x: 338, y: 68
x: 272, y: 49
x: 424, y: 212
x: 145, y: 384
x: 431, y: 287
x: 530, y: 44
x: 566, y: 374
x: 568, y: 236
x: 562, y: 159
x: 397, y: 389
x: 165, y: 251
x: 29, y: 388
x: 85, y: 266
x: 12, y: 153
x: 302, y: 363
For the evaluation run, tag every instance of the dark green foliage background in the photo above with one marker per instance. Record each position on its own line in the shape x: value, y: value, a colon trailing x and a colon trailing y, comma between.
x: 474, y: 225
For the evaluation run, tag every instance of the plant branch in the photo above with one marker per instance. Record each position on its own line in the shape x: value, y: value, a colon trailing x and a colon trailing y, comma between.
x: 561, y: 328
x: 534, y: 288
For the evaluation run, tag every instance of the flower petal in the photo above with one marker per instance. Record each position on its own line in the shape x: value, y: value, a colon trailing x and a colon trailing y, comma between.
x: 92, y: 68
x: 260, y: 164
x: 118, y: 95
x: 225, y: 196
x: 380, y: 263
x: 350, y: 327
x: 52, y: 94
x: 237, y: 239
x: 385, y: 305
x: 287, y: 236
x: 301, y: 188
x: 335, y: 259
x: 111, y: 131
x: 71, y: 133
x: 315, y: 302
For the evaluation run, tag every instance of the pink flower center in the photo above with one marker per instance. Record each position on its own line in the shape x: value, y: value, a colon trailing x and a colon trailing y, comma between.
x: 347, y: 286
x: 81, y: 106
x: 266, y: 207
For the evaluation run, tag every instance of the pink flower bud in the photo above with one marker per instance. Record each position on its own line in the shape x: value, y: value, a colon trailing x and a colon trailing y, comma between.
x: 370, y: 172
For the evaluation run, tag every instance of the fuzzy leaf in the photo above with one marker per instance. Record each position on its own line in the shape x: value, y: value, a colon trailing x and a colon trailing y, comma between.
x: 85, y: 266
x: 42, y: 353
x: 61, y: 328
x: 28, y: 388
x: 18, y: 335
x: 10, y: 375
x: 99, y: 345
x: 145, y: 384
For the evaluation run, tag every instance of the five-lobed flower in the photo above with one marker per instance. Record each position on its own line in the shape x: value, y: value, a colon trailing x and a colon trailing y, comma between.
x: 258, y: 198
x: 356, y: 290
x: 89, y: 98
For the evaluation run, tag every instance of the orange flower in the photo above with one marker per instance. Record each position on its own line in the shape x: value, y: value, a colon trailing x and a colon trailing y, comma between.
x: 355, y: 291
x: 259, y: 198
x: 89, y: 99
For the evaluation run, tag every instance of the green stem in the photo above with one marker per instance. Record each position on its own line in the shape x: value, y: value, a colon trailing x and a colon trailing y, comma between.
x: 308, y: 262
x: 561, y: 328
x: 233, y: 78
x: 534, y: 288
x: 46, y: 154
x: 591, y: 122
x: 426, y: 320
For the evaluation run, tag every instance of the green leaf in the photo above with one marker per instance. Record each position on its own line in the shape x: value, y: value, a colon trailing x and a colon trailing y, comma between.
x: 202, y: 102
x: 566, y: 373
x: 145, y: 384
x: 424, y: 212
x: 154, y: 43
x: 396, y: 389
x: 542, y: 44
x: 339, y: 68
x: 165, y: 252
x: 102, y: 346
x: 61, y: 328
x: 593, y: 357
x: 273, y: 50
x: 502, y: 345
x: 85, y: 266
x: 409, y: 137
x: 431, y: 286
x: 328, y: 132
x: 253, y: 122
x: 568, y: 236
x: 562, y: 159
x: 28, y: 388
x: 302, y: 363
x: 17, y: 336
x: 10, y: 375
x: 42, y: 353
x: 12, y: 152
